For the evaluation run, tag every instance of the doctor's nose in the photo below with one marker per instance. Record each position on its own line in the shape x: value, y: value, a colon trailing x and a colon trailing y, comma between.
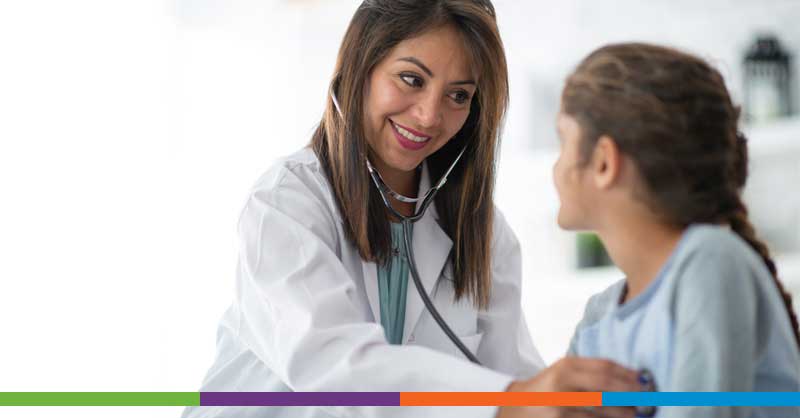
x: 428, y: 111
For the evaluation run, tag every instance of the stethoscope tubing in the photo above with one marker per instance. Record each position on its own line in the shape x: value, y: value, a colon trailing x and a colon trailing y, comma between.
x: 426, y: 300
x: 406, y: 222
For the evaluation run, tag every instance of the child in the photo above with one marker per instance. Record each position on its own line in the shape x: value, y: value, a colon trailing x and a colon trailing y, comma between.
x: 652, y: 160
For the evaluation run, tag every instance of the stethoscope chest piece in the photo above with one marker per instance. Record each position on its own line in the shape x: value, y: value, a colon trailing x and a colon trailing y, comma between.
x: 648, y: 383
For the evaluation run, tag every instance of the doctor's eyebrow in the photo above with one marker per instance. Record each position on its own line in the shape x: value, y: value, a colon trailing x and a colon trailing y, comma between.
x: 427, y: 70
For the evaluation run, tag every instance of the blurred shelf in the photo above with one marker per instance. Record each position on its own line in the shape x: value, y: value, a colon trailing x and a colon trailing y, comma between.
x: 780, y: 135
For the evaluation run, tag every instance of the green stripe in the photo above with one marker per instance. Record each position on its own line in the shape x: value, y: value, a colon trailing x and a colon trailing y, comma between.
x: 99, y: 398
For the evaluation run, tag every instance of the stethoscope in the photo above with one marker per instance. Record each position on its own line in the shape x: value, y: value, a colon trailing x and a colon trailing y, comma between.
x: 646, y: 378
x: 406, y: 221
x: 648, y: 383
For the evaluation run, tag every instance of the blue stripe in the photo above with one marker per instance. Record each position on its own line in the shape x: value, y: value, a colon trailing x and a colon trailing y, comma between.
x: 701, y: 398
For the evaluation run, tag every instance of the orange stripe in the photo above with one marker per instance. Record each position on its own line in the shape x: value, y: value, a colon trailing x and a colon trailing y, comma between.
x: 501, y: 398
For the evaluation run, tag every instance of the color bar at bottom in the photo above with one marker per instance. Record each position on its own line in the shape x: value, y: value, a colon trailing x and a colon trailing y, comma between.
x: 99, y: 398
x: 776, y: 399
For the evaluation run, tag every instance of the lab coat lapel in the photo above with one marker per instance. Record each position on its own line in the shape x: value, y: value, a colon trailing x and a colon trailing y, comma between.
x: 431, y: 247
x: 370, y: 271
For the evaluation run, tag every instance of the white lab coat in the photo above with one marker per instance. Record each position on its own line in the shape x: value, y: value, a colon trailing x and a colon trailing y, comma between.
x: 306, y: 315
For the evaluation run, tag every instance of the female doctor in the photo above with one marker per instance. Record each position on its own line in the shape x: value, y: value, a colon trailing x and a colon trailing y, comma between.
x: 323, y: 300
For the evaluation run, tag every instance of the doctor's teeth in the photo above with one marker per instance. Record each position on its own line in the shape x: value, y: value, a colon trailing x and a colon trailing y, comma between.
x: 409, y: 135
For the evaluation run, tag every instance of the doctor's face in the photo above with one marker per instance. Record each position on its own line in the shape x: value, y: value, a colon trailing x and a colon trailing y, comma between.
x: 418, y: 98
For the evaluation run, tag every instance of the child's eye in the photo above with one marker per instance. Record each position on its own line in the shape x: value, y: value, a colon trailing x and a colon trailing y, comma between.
x: 411, y: 80
x: 460, y: 96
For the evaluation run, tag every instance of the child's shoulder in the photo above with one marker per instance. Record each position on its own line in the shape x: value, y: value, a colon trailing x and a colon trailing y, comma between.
x: 709, y: 239
x: 716, y: 246
x: 714, y: 260
x: 600, y: 304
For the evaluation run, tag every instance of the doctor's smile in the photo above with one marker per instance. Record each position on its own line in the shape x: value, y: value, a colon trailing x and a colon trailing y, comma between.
x: 409, y: 138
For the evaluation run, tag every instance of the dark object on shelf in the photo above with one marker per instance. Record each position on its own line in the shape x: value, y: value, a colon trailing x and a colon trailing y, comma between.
x: 590, y: 250
x: 767, y: 81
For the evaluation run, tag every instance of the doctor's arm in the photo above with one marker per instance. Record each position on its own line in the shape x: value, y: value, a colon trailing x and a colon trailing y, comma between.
x: 507, y: 344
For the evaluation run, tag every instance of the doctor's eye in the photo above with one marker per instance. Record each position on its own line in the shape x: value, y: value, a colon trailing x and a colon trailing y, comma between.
x: 460, y: 96
x: 412, y: 80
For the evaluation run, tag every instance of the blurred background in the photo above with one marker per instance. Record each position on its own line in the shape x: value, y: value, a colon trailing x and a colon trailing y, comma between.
x: 131, y: 131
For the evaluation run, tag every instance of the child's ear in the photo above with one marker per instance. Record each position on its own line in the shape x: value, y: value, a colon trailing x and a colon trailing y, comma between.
x: 606, y: 161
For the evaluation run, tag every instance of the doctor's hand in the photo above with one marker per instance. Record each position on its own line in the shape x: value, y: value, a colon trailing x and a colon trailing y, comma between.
x: 575, y: 374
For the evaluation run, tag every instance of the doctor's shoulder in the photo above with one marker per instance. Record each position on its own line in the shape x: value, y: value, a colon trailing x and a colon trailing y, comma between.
x: 296, y: 187
x: 504, y: 239
x: 301, y: 168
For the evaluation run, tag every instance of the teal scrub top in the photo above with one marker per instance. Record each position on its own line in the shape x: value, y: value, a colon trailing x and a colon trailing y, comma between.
x: 392, y: 286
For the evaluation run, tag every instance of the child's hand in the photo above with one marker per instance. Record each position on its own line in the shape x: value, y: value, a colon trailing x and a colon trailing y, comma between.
x: 575, y: 374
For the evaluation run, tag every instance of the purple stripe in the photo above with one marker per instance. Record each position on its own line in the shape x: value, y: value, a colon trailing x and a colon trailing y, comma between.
x: 300, y: 398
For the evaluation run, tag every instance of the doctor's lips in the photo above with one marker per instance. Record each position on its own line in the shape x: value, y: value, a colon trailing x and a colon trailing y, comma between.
x: 409, y: 138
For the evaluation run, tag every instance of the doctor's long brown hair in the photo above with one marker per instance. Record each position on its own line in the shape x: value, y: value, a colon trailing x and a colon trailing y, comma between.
x: 465, y: 204
x: 671, y: 113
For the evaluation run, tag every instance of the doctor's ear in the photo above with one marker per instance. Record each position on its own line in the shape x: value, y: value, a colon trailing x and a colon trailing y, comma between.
x: 606, y: 162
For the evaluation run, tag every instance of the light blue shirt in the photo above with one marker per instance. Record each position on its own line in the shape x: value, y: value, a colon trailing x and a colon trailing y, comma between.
x: 392, y: 287
x: 712, y: 320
